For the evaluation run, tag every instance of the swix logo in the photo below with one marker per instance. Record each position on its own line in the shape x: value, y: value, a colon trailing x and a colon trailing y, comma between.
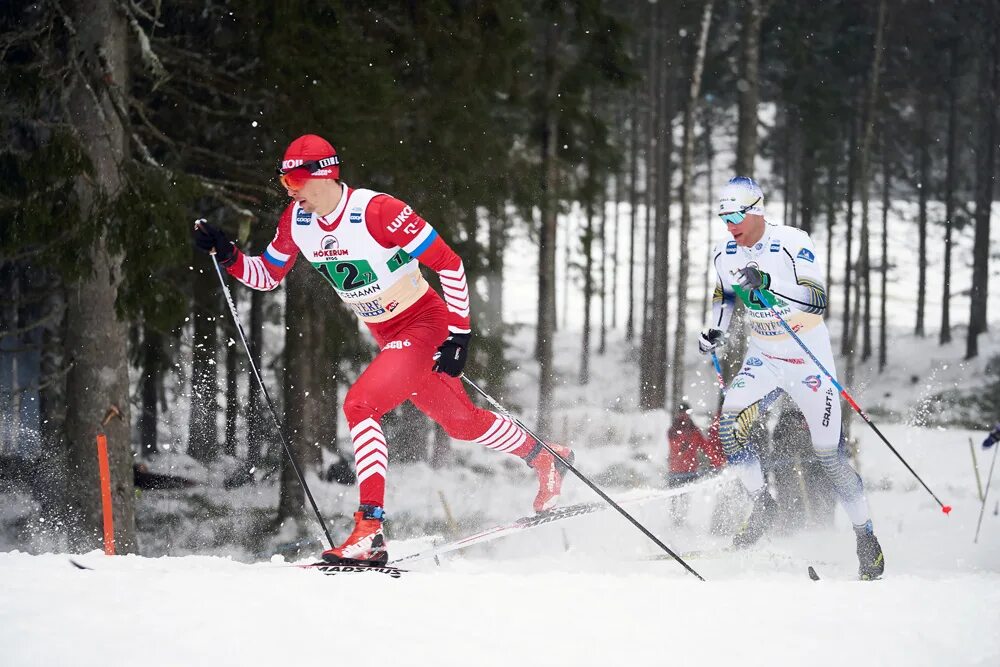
x: 400, y: 219
x: 813, y: 382
x: 331, y: 248
x: 396, y: 345
x: 828, y: 410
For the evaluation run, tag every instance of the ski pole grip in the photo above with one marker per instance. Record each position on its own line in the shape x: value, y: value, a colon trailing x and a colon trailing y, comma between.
x: 104, y: 473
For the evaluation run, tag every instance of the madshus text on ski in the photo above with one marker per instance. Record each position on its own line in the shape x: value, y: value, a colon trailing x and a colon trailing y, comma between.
x: 368, y: 246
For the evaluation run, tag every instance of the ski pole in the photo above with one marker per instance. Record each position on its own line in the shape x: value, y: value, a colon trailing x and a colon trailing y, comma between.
x: 989, y: 480
x: 718, y: 371
x: 582, y: 477
x: 847, y: 397
x: 975, y: 468
x: 263, y: 388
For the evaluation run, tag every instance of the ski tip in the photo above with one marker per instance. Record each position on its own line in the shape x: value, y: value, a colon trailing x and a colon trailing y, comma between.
x: 946, y: 509
x: 812, y: 574
x: 79, y: 566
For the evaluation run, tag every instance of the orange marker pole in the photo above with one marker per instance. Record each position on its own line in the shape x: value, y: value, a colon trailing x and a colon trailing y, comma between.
x: 105, y: 473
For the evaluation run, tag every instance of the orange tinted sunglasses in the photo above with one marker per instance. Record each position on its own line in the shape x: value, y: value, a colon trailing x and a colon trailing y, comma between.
x: 296, y: 177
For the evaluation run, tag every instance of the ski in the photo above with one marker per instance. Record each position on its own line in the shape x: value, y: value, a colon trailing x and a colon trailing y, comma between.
x: 79, y: 566
x: 343, y: 568
x: 558, y: 514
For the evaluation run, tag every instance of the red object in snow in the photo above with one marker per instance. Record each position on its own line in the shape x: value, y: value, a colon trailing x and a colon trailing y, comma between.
x: 686, y: 439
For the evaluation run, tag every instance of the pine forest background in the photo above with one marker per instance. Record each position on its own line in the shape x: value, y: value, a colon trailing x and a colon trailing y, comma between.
x: 124, y: 120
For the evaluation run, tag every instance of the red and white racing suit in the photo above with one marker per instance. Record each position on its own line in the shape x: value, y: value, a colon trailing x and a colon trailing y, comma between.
x: 368, y: 249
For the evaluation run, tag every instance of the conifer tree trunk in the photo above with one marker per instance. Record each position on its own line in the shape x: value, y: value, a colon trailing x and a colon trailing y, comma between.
x: 864, y: 260
x: 746, y: 133
x: 985, y: 169
x: 883, y: 352
x: 203, y: 432
x: 586, y: 246
x: 949, y: 194
x: 152, y: 350
x: 923, y: 188
x: 493, y: 312
x: 711, y: 218
x: 831, y: 221
x: 677, y: 392
x: 615, y: 256
x: 547, y: 237
x: 845, y: 338
x: 746, y: 153
x: 232, y: 353
x: 602, y: 207
x: 257, y: 426
x: 96, y: 339
x: 633, y: 198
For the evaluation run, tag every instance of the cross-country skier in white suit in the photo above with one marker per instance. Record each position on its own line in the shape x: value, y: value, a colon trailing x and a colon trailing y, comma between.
x: 781, y: 263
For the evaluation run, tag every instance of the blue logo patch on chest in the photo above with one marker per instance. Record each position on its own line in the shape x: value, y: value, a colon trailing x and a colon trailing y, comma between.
x: 807, y: 255
x: 775, y: 246
x: 731, y: 248
x: 355, y: 216
x: 303, y: 217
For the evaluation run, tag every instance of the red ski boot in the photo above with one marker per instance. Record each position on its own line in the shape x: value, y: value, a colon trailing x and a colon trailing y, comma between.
x: 550, y: 474
x: 366, y: 545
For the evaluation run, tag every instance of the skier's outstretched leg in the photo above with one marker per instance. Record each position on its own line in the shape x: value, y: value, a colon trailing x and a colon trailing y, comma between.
x: 820, y: 404
x: 444, y: 399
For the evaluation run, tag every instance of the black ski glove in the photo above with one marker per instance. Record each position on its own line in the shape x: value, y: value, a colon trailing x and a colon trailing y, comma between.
x: 751, y: 278
x: 711, y: 340
x: 208, y: 238
x: 450, y: 357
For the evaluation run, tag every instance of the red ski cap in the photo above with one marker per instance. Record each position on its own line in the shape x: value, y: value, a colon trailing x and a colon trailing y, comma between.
x: 315, y: 154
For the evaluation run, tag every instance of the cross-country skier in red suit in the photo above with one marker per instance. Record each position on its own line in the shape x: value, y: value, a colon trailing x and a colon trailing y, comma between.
x: 367, y: 245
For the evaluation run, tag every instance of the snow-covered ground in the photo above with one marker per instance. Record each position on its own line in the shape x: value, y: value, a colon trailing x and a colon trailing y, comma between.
x: 581, y: 592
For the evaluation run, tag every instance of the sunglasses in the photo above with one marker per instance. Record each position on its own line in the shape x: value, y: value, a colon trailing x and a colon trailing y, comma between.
x: 296, y: 177
x: 737, y: 217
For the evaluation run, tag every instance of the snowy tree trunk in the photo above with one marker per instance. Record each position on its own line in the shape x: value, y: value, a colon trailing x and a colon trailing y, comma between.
x: 746, y: 133
x: 95, y: 338
x: 949, y: 195
x: 985, y: 180
x: 547, y: 237
x: 152, y: 351
x: 633, y: 205
x: 203, y: 431
x: 923, y: 188
x: 883, y: 352
x: 587, y: 242
x: 864, y: 261
x: 681, y: 342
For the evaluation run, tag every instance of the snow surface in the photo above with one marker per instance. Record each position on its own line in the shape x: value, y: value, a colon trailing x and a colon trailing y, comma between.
x: 580, y: 592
